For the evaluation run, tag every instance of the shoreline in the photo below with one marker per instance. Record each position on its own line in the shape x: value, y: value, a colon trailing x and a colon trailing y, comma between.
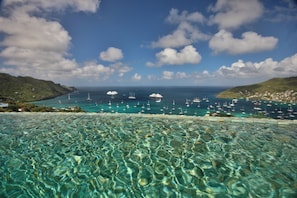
x: 202, y: 118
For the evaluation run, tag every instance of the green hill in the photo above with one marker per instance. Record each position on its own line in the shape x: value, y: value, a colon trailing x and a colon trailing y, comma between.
x: 276, y: 89
x: 26, y: 89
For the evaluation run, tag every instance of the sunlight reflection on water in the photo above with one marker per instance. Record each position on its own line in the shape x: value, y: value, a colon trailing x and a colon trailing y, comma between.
x: 109, y: 155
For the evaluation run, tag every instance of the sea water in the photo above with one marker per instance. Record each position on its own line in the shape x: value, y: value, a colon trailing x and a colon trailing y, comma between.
x: 124, y: 155
x: 175, y: 101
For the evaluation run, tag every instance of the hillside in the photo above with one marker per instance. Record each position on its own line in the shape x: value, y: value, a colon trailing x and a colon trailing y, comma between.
x: 29, y: 89
x: 276, y: 89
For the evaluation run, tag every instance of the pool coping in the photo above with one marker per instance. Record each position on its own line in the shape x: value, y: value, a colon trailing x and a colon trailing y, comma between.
x: 202, y: 118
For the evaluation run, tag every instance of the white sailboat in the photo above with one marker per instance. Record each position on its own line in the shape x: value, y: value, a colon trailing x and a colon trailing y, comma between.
x: 89, y: 97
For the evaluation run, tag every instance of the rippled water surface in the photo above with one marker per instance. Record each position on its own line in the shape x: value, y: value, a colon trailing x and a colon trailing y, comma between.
x: 103, y: 155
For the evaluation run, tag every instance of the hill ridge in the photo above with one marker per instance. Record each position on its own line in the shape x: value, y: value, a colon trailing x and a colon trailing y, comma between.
x: 275, y: 89
x: 26, y: 88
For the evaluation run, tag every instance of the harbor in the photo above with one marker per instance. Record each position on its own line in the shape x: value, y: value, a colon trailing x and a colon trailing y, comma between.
x: 189, y: 101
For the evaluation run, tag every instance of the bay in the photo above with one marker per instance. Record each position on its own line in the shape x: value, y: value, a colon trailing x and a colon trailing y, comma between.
x: 193, y: 101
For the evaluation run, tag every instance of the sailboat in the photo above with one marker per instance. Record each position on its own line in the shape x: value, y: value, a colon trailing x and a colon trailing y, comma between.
x: 89, y: 97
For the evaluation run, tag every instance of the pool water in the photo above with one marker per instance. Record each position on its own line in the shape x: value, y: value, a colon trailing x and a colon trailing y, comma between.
x: 112, y: 155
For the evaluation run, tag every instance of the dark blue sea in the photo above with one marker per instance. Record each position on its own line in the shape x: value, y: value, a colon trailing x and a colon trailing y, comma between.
x: 192, y: 101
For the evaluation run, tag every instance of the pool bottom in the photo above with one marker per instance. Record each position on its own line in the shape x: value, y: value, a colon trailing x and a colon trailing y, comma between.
x: 102, y: 155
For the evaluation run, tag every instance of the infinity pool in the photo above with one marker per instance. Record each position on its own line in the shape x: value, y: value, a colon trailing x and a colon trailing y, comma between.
x: 110, y: 155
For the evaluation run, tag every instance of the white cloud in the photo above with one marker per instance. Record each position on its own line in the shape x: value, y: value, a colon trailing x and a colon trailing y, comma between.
x: 93, y: 70
x: 169, y: 56
x: 34, y: 43
x: 35, y: 46
x: 28, y: 32
x: 136, y: 77
x: 174, y: 17
x: 283, y: 12
x: 231, y: 14
x: 223, y: 41
x: 264, y: 69
x: 112, y: 54
x: 167, y: 75
x: 120, y: 68
x: 100, y: 72
x: 77, y: 5
x: 186, y: 32
x: 181, y: 75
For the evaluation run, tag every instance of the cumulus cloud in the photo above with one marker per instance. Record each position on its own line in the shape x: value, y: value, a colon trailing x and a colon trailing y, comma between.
x: 77, y: 5
x: 112, y: 54
x: 167, y: 75
x: 93, y: 70
x: 170, y: 75
x: 34, y: 46
x: 231, y: 14
x: 37, y: 46
x: 169, y: 56
x: 175, y: 17
x: 186, y: 32
x: 120, y: 68
x: 267, y: 68
x: 24, y: 31
x: 181, y: 75
x: 223, y: 41
x: 136, y: 77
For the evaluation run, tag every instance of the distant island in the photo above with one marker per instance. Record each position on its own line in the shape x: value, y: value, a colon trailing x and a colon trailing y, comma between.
x: 276, y: 89
x: 17, y: 92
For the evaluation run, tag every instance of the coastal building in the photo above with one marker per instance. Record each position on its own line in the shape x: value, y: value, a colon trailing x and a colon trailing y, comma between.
x: 3, y: 105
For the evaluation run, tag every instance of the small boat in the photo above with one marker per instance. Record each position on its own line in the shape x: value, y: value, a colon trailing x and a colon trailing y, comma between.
x: 196, y: 100
x: 234, y: 100
x: 89, y: 97
x: 187, y: 103
x: 158, y: 97
x: 132, y: 96
x: 112, y: 93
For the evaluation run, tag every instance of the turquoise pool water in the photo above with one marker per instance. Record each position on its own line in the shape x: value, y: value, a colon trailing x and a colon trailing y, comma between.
x: 109, y: 155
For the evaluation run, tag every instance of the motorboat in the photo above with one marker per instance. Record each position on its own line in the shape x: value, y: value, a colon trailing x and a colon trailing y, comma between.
x: 196, y: 100
x: 132, y: 96
x: 112, y: 93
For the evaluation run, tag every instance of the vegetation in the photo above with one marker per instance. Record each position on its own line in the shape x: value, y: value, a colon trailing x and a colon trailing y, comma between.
x: 19, y: 91
x: 29, y: 107
x: 276, y: 89
x: 26, y: 89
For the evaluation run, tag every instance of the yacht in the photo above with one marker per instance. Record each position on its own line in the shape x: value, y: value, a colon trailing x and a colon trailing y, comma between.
x: 158, y: 97
x: 112, y: 93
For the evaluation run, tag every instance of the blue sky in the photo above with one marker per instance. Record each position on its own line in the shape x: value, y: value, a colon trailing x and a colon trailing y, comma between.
x: 149, y: 42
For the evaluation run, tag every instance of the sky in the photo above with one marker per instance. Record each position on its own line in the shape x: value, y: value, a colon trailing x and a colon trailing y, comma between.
x: 149, y: 42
